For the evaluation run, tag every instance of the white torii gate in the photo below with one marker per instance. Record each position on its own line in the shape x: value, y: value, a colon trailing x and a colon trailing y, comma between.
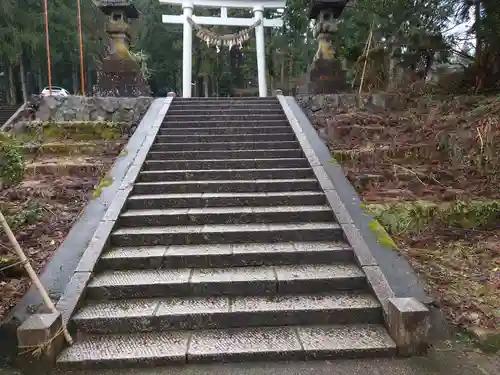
x: 187, y: 47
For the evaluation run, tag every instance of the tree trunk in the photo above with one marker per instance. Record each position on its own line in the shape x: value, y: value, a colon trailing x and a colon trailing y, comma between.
x: 205, y: 85
x: 40, y: 79
x: 89, y: 82
x: 22, y: 74
x: 12, y: 88
x: 284, y: 85
x: 74, y: 79
x: 480, y: 69
x: 479, y: 25
x: 392, y: 81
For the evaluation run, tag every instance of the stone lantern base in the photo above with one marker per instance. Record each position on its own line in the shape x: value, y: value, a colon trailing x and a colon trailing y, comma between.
x: 325, y: 77
x: 120, y: 77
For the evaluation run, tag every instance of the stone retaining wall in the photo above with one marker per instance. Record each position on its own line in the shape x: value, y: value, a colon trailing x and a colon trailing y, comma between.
x: 314, y: 105
x: 80, y: 108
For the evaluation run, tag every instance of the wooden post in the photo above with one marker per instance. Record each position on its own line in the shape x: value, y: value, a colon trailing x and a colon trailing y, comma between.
x: 31, y: 272
x: 370, y: 36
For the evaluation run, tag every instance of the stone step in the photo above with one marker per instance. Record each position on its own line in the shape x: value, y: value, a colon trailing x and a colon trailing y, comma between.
x: 227, y: 186
x: 152, y: 315
x: 254, y: 123
x: 228, y: 345
x: 223, y: 234
x: 223, y: 118
x: 228, y: 255
x: 205, y: 146
x: 224, y: 174
x: 225, y: 215
x: 193, y: 138
x: 226, y: 154
x: 229, y: 105
x: 194, y: 200
x: 204, y: 164
x: 229, y: 110
x: 227, y: 130
x: 237, y: 281
x: 230, y: 99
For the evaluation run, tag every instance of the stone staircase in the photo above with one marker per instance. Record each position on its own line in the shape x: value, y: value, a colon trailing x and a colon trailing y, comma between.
x: 6, y: 111
x: 226, y: 250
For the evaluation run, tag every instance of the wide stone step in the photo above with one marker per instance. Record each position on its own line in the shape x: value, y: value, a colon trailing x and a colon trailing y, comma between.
x: 151, y: 315
x: 244, y: 130
x: 255, y: 343
x: 256, y: 106
x: 225, y: 154
x: 239, y: 281
x: 251, y: 116
x: 212, y: 234
x: 244, y: 100
x: 206, y: 146
x: 250, y: 123
x: 225, y: 174
x: 226, y: 186
x: 193, y: 138
x: 227, y: 255
x: 230, y: 110
x: 204, y: 164
x: 226, y: 215
x: 286, y: 198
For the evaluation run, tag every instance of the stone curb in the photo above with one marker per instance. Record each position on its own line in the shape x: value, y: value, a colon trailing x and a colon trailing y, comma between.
x: 330, y: 177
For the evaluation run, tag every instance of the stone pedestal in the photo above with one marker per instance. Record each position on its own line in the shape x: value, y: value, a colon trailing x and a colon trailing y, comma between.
x: 325, y: 77
x: 120, y: 77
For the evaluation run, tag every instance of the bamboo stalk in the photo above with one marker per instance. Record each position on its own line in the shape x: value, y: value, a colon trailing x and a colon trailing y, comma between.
x: 369, y: 44
x: 32, y: 274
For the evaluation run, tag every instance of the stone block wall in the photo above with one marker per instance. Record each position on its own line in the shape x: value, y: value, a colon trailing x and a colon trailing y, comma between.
x: 81, y: 108
x: 342, y: 103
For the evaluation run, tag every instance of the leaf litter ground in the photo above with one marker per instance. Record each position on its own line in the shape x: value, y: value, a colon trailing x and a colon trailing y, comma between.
x: 43, y: 209
x: 442, y: 152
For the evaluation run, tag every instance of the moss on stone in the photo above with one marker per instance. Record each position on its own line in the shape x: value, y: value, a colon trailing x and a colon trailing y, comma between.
x: 416, y: 216
x: 105, y: 182
x: 74, y: 130
x: 381, y: 235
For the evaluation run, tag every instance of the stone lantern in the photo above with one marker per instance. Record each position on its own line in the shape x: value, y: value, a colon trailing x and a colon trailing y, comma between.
x: 120, y: 14
x: 326, y: 74
x: 119, y: 74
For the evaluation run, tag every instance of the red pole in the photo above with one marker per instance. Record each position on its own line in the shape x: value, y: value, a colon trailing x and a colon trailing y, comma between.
x: 82, y: 74
x: 47, y: 42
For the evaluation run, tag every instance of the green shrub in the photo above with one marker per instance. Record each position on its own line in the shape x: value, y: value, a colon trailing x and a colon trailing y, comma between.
x: 12, y: 163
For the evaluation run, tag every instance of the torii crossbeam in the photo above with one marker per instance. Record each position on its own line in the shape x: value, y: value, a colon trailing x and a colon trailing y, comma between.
x: 258, y: 7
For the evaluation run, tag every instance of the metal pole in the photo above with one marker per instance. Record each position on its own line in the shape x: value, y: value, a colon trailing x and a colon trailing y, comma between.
x: 47, y: 44
x: 82, y: 71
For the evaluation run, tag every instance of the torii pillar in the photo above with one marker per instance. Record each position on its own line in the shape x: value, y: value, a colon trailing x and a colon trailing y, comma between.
x: 258, y: 7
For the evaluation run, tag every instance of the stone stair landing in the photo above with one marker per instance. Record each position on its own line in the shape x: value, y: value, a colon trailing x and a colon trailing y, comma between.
x: 226, y: 250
